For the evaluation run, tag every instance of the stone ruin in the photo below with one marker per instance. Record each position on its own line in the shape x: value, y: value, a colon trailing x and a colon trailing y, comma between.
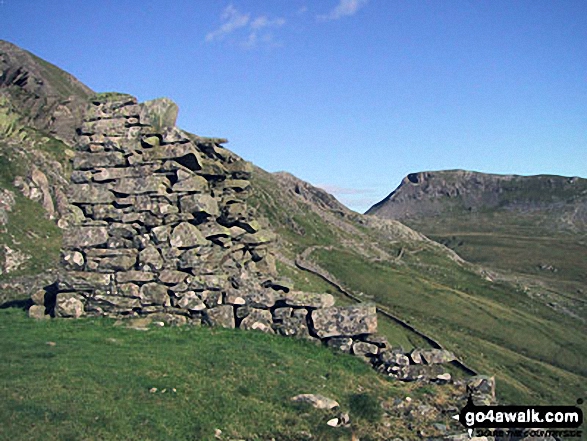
x: 158, y: 227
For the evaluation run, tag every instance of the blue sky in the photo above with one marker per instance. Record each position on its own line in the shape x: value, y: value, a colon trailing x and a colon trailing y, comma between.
x: 350, y: 95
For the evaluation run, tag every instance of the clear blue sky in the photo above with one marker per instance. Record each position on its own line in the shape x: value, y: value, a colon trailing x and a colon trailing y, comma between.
x: 347, y: 94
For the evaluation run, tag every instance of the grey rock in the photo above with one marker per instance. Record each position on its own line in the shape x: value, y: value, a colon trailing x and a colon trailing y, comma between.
x: 128, y: 290
x: 69, y: 305
x: 81, y: 237
x: 394, y: 358
x: 262, y: 298
x: 191, y: 302
x: 83, y: 281
x: 199, y: 203
x: 309, y: 300
x: 258, y: 319
x: 89, y: 194
x: 149, y: 184
x: 344, y: 321
x: 72, y: 260
x: 281, y: 314
x: 172, y: 277
x: 150, y: 259
x: 344, y: 344
x: 154, y: 294
x: 160, y: 113
x: 134, y: 276
x: 222, y: 316
x: 117, y: 303
x: 111, y: 260
x: 37, y: 312
x: 186, y: 235
x: 194, y: 183
x: 161, y: 234
x: 294, y: 326
x: 364, y: 349
x: 432, y: 356
x: 90, y: 161
x: 316, y: 401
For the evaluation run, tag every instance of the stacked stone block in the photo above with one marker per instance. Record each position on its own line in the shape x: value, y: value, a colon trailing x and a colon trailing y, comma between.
x: 159, y: 227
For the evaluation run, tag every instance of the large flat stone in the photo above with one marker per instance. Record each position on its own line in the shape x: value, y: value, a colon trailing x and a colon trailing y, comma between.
x: 344, y: 321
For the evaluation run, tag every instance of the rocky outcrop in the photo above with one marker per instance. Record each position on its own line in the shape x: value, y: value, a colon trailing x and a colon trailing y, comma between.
x: 459, y: 192
x: 51, y: 100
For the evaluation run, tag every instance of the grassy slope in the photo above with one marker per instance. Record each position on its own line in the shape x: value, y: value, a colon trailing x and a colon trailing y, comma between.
x: 549, y: 263
x: 86, y: 379
x: 535, y: 352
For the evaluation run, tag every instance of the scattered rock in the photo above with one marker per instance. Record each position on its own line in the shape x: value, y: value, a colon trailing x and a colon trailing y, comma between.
x: 316, y: 401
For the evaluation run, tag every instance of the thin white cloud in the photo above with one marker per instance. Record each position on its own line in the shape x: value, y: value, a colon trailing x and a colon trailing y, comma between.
x: 302, y: 10
x: 233, y: 20
x: 345, y: 8
x: 255, y: 31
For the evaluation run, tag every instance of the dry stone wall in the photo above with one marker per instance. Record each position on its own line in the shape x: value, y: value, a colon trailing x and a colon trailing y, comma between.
x: 158, y: 226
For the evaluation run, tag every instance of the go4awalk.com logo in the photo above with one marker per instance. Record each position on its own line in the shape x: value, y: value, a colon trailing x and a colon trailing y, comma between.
x: 504, y: 421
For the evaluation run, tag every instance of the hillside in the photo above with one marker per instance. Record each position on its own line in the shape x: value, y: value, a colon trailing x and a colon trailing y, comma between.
x: 529, y: 230
x: 493, y: 326
x: 427, y: 294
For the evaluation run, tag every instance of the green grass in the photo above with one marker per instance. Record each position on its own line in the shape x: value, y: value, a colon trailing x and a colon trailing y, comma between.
x: 87, y: 379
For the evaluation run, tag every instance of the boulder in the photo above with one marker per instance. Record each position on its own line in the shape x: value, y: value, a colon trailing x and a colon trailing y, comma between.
x: 81, y: 237
x: 191, y: 302
x: 154, y: 294
x: 149, y: 184
x: 308, y: 300
x: 262, y: 298
x: 111, y: 260
x: 83, y: 281
x: 72, y: 260
x: 222, y: 315
x: 194, y: 183
x: 364, y: 349
x: 134, y: 276
x: 344, y: 321
x: 160, y: 113
x: 37, y: 312
x: 432, y: 356
x: 69, y: 305
x: 186, y: 235
x: 258, y: 319
x: 89, y: 194
x: 316, y: 401
x: 172, y: 277
x: 91, y: 161
x: 150, y: 259
x: 116, y: 303
x: 199, y: 203
x: 344, y: 344
x: 296, y: 325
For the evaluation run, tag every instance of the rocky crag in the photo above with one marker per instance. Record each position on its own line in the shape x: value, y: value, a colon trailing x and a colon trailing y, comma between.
x: 438, y: 193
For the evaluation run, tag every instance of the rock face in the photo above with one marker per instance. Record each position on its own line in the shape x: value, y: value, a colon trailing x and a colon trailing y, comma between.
x: 435, y: 193
x: 53, y: 99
